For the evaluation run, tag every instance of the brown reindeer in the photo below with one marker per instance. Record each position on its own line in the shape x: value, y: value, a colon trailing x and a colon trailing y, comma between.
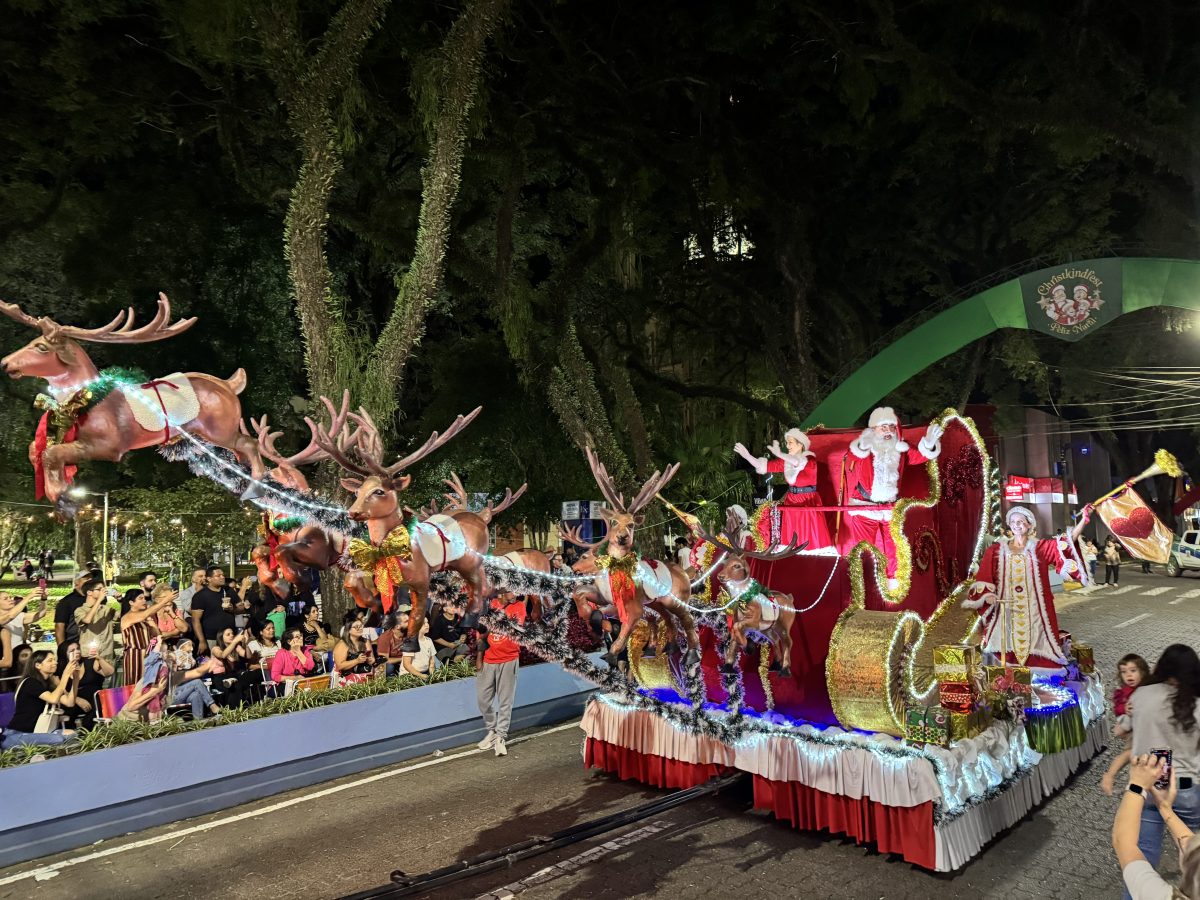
x: 109, y: 429
x: 618, y: 590
x: 306, y: 543
x: 455, y: 541
x: 756, y: 608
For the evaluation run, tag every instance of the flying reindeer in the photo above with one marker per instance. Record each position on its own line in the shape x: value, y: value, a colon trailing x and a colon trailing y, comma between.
x: 287, y: 474
x: 628, y: 588
x: 455, y: 541
x: 109, y: 429
x: 756, y: 608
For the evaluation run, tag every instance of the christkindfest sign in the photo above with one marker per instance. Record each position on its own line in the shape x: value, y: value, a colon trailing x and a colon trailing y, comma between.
x: 1073, y: 300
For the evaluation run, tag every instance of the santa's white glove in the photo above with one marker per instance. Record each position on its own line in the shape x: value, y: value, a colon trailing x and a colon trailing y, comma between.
x: 931, y: 443
x: 759, y: 462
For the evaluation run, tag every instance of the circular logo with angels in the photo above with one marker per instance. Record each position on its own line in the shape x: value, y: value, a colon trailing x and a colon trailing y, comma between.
x: 1073, y: 308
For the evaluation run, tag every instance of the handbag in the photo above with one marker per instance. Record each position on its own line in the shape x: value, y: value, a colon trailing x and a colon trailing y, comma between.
x: 50, y: 720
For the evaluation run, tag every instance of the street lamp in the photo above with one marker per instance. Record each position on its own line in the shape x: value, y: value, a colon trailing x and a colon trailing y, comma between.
x: 83, y: 492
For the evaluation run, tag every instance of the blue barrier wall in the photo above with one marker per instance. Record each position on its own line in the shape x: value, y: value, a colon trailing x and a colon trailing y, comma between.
x: 64, y: 803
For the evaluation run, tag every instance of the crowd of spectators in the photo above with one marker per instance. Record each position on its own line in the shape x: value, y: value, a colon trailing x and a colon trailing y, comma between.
x: 210, y: 646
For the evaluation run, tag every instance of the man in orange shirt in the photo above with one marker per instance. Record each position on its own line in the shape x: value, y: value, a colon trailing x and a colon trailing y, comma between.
x: 496, y: 678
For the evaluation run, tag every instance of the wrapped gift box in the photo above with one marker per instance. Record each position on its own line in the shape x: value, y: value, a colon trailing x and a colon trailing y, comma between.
x: 1008, y: 680
x: 958, y: 697
x: 956, y: 663
x: 970, y: 723
x: 1084, y: 657
x: 927, y: 725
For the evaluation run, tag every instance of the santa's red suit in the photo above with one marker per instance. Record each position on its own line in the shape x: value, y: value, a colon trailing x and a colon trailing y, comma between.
x: 872, y: 473
x: 1022, y: 578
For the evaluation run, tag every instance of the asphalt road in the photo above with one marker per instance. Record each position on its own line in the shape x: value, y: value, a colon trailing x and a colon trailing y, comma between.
x: 348, y: 835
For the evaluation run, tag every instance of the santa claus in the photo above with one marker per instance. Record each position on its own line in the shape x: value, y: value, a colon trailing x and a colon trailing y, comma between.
x: 871, y: 477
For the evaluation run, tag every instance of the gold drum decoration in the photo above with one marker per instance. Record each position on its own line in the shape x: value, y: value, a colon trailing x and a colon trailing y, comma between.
x: 866, y: 666
x: 656, y: 672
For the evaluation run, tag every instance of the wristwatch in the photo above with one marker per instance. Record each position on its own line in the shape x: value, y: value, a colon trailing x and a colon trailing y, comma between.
x: 1137, y: 789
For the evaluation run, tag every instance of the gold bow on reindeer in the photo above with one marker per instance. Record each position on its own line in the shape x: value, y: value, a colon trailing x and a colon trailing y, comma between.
x: 383, y: 560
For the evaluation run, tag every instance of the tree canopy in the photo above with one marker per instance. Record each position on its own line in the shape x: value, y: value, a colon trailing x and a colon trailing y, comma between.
x: 654, y: 228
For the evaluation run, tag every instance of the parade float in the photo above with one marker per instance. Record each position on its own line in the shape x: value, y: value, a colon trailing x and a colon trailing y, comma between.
x: 865, y: 649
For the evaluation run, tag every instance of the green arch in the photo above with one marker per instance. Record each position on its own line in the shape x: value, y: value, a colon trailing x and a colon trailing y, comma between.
x: 1143, y: 283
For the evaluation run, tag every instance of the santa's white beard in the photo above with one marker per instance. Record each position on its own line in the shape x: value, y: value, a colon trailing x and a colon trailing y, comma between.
x: 885, y: 457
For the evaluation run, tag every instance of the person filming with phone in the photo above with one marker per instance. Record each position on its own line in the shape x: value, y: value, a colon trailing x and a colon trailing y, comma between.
x: 1166, y: 730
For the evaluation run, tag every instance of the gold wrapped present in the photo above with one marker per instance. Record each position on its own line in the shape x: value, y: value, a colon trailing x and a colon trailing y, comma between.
x: 956, y: 662
x: 1084, y: 656
x: 965, y: 725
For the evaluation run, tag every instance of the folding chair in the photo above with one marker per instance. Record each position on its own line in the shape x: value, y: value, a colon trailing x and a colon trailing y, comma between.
x: 312, y: 683
x: 109, y: 701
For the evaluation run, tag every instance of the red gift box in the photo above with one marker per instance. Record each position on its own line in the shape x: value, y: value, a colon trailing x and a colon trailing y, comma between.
x: 956, y: 696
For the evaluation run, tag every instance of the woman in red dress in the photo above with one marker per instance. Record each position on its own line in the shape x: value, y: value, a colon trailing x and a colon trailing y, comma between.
x: 799, y: 470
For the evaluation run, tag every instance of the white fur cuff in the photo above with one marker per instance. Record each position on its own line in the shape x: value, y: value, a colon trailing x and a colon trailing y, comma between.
x: 931, y: 451
x: 858, y: 449
x: 976, y: 604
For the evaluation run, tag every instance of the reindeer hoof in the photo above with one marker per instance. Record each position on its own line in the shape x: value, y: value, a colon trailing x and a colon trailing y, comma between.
x: 774, y: 666
x: 609, y: 659
x: 692, y: 660
x: 785, y: 672
x: 66, y: 509
x: 410, y: 645
x: 728, y: 668
x: 649, y: 653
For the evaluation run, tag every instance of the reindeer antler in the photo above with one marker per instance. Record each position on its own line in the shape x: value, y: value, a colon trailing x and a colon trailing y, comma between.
x: 368, y: 446
x: 313, y: 452
x: 121, y: 331
x: 615, y: 498
x: 457, y: 495
x: 510, y: 497
x: 571, y: 535
x: 728, y: 541
x: 14, y: 312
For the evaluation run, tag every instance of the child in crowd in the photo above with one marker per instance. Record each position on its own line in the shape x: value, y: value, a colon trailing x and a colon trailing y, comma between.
x: 1132, y: 670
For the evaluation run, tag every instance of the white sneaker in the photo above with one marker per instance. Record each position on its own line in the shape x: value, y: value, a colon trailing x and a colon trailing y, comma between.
x: 501, y: 750
x: 488, y: 742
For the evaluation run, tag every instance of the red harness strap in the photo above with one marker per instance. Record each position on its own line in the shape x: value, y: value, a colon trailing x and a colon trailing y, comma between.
x: 155, y: 386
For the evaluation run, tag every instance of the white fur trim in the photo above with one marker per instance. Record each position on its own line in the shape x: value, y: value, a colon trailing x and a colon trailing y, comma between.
x: 974, y: 604
x: 800, y: 436
x: 858, y: 448
x: 884, y: 415
x: 902, y: 446
x: 931, y: 451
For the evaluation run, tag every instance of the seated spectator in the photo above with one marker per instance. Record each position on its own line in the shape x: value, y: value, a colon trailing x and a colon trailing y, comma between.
x: 170, y: 621
x: 421, y: 662
x: 95, y: 620
x: 234, y: 666
x: 297, y: 605
x: 293, y: 661
x: 93, y: 670
x: 447, y: 634
x: 148, y: 699
x: 390, y: 642
x: 39, y: 688
x: 353, y: 658
x: 316, y: 633
x: 1141, y: 881
x: 362, y: 615
x: 263, y: 645
x: 188, y: 679
x: 11, y: 677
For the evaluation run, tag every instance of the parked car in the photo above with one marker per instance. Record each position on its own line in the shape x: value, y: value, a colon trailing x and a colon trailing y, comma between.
x: 1185, y: 554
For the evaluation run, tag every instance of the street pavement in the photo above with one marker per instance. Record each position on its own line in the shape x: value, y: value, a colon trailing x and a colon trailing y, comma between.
x: 348, y: 835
